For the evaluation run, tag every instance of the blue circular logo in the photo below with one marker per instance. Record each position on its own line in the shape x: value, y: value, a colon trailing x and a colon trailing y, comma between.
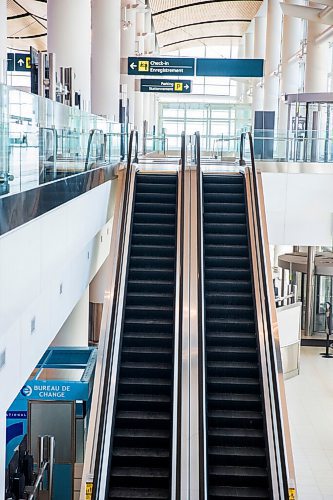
x: 26, y: 390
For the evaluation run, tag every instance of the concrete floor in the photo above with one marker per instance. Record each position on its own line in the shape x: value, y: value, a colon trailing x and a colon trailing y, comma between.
x: 310, y: 408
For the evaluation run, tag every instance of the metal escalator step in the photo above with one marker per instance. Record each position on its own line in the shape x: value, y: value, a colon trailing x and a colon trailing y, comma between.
x: 155, y: 197
x: 212, y: 207
x: 228, y: 286
x: 159, y: 354
x: 235, y: 418
x: 150, y: 286
x: 153, y: 228
x: 224, y: 217
x: 156, y: 179
x: 145, y: 369
x: 227, y: 273
x: 232, y: 401
x: 229, y: 298
x: 237, y: 455
x: 227, y: 261
x: 231, y: 339
x: 127, y: 385
x: 142, y: 437
x: 152, y: 261
x: 156, y: 218
x: 150, y: 207
x: 140, y: 477
x: 224, y: 227
x: 215, y: 187
x: 230, y: 325
x: 232, y: 369
x: 243, y: 492
x: 153, y: 239
x: 149, y: 187
x: 138, y: 494
x: 238, y: 476
x: 224, y: 239
x: 236, y: 385
x: 148, y: 325
x: 229, y: 311
x: 149, y: 312
x: 153, y: 250
x: 235, y: 178
x: 222, y: 250
x: 143, y: 297
x: 138, y: 273
x: 236, y: 437
x: 144, y: 402
x: 141, y: 339
x: 147, y: 457
x: 143, y: 419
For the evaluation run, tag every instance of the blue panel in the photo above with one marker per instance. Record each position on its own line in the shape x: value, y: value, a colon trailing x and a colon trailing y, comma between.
x: 165, y: 86
x: 62, y: 482
x: 161, y: 66
x: 238, y: 68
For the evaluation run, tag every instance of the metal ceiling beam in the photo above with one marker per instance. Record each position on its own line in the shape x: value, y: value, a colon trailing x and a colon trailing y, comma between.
x: 195, y: 4
x: 200, y: 38
x: 313, y: 14
x: 201, y: 23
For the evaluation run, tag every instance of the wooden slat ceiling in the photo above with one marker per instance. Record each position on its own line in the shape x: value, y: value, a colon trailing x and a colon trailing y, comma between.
x: 26, y: 24
x: 187, y: 23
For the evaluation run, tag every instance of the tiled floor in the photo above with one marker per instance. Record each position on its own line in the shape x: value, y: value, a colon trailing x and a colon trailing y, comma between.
x: 310, y: 408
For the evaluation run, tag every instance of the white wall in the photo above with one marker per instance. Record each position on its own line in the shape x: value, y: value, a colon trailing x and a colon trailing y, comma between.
x: 299, y: 208
x: 45, y: 267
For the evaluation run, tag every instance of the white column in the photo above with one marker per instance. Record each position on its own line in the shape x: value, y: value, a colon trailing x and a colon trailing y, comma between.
x: 316, y: 69
x: 248, y: 54
x: 3, y: 42
x: 128, y: 37
x: 69, y: 37
x: 74, y: 332
x: 146, y: 109
x: 105, y: 53
x: 272, y: 56
x: 259, y: 53
x: 152, y: 113
x: 138, y: 114
x: 240, y: 85
x: 291, y: 38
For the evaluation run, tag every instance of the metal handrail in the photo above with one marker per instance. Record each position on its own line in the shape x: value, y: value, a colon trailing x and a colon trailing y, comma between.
x: 91, y: 135
x: 133, y: 145
x: 267, y: 309
x: 201, y: 320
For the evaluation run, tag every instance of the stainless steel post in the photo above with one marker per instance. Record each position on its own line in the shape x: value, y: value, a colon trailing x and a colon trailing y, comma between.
x: 52, y: 77
x: 309, y: 290
x: 41, y: 74
x: 51, y: 445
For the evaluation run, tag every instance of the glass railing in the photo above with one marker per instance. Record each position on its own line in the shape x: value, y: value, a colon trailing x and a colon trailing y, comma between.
x: 42, y: 140
x: 304, y: 146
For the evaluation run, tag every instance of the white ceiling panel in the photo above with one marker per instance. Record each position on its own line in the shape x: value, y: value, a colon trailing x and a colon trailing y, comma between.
x: 26, y: 24
x: 180, y: 22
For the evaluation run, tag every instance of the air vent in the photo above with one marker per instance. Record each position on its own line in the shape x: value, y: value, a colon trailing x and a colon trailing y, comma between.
x: 2, y: 359
x: 33, y: 325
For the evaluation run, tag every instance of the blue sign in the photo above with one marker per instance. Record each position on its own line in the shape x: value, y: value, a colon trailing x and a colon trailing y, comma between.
x: 60, y: 390
x: 237, y: 68
x: 161, y: 66
x: 18, y: 62
x: 166, y: 86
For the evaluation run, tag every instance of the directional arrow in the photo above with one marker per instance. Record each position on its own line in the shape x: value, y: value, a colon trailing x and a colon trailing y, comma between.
x: 20, y: 62
x: 186, y: 87
x: 133, y: 66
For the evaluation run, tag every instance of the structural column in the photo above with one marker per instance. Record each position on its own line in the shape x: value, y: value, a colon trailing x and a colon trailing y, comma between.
x: 3, y: 41
x: 259, y: 53
x: 69, y: 37
x: 128, y: 36
x: 310, y: 290
x: 248, y: 54
x: 272, y: 56
x: 138, y: 115
x: 289, y: 82
x: 105, y: 53
x: 316, y: 70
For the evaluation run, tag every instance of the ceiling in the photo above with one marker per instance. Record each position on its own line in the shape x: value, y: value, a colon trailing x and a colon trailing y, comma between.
x: 26, y: 24
x: 187, y: 23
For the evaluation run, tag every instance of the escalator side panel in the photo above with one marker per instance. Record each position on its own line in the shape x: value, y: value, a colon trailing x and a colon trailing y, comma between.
x: 142, y: 437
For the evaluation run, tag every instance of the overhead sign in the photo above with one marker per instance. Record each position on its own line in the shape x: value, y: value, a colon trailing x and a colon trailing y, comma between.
x: 166, y: 86
x: 55, y: 390
x: 237, y: 68
x: 163, y: 66
x: 18, y: 62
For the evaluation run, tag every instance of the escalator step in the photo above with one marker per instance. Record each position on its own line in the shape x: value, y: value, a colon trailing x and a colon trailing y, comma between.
x: 229, y: 298
x: 137, y: 477
x: 230, y: 207
x: 226, y: 217
x: 233, y: 261
x: 224, y: 239
x: 227, y: 228
x: 238, y: 385
x: 232, y: 401
x: 152, y: 262
x: 236, y: 437
x: 218, y: 250
x: 159, y: 187
x: 150, y: 286
x: 138, y: 494
x: 141, y: 385
x: 245, y: 493
x: 141, y: 339
x: 153, y: 250
x: 156, y: 179
x: 155, y: 197
x: 239, y: 476
x: 153, y: 228
x: 142, y: 437
x: 232, y: 368
x: 241, y: 456
x: 152, y: 208
x: 223, y: 179
x: 142, y: 419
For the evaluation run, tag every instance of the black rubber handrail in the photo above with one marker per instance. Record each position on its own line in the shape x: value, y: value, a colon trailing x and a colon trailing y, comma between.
x: 260, y: 243
x: 133, y: 141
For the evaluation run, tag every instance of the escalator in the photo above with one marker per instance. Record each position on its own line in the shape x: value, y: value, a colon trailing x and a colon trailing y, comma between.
x: 237, y: 453
x: 140, y: 457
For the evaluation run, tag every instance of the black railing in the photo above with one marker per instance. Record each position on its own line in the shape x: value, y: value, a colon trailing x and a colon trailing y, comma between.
x: 281, y: 457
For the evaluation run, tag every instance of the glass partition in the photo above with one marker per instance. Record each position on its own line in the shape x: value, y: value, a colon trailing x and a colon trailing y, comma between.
x: 42, y: 140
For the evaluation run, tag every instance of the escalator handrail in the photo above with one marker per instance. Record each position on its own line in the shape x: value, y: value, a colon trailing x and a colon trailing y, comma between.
x: 132, y: 142
x: 262, y: 256
x: 201, y: 331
